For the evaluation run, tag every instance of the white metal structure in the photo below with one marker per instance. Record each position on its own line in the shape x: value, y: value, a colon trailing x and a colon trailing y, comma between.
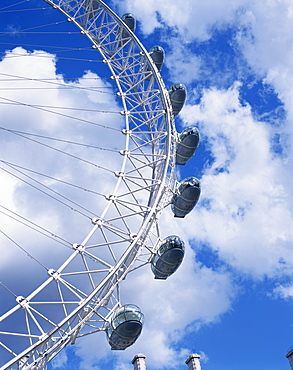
x: 193, y: 362
x: 139, y: 362
x: 80, y: 295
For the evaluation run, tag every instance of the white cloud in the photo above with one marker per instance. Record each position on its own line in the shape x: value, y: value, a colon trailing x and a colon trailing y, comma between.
x: 92, y: 351
x: 267, y: 34
x: 266, y: 39
x: 194, y: 20
x: 60, y: 361
x: 248, y: 217
x: 182, y: 64
x: 284, y: 291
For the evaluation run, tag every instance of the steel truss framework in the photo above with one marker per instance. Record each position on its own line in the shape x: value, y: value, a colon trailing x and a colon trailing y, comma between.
x: 80, y: 296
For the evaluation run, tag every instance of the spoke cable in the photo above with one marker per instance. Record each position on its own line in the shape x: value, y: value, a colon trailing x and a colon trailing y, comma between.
x: 26, y: 30
x: 66, y: 48
x: 24, y: 10
x: 13, y: 165
x: 10, y: 6
x: 64, y: 85
x: 63, y: 152
x: 10, y: 291
x: 24, y: 250
x: 45, y: 232
x: 18, y: 55
x: 53, y: 79
x: 59, y: 140
x: 50, y: 189
x: 62, y: 114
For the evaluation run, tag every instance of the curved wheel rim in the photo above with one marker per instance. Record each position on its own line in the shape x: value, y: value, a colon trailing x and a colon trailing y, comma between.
x: 142, y: 100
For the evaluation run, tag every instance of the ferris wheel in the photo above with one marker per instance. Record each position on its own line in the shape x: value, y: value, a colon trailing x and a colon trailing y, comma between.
x: 134, y: 182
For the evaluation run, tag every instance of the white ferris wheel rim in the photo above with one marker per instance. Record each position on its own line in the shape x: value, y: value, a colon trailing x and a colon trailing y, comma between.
x: 47, y: 346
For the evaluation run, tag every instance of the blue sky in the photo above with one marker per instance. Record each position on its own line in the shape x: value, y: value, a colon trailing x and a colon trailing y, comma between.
x: 231, y: 300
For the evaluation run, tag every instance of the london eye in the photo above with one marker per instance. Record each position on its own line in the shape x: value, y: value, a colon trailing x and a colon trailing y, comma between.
x: 111, y: 189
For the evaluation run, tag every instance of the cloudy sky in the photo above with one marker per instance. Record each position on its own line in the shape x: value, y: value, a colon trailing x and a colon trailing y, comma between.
x: 231, y: 299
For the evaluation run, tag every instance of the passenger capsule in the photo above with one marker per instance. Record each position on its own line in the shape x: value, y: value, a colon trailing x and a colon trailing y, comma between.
x: 177, y: 95
x: 130, y: 21
x: 125, y: 327
x: 168, y: 257
x: 90, y: 7
x: 187, y: 143
x: 186, y: 198
x: 157, y: 54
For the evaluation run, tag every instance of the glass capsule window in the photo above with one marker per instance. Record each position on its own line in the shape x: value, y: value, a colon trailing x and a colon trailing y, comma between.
x: 188, y: 131
x: 188, y: 181
x: 128, y: 312
x: 172, y: 241
x: 156, y: 48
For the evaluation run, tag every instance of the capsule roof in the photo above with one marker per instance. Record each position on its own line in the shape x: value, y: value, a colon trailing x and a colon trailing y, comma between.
x: 127, y: 15
x: 189, y: 181
x: 172, y: 241
x: 177, y: 87
x: 189, y: 130
x: 157, y: 48
x: 127, y: 312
